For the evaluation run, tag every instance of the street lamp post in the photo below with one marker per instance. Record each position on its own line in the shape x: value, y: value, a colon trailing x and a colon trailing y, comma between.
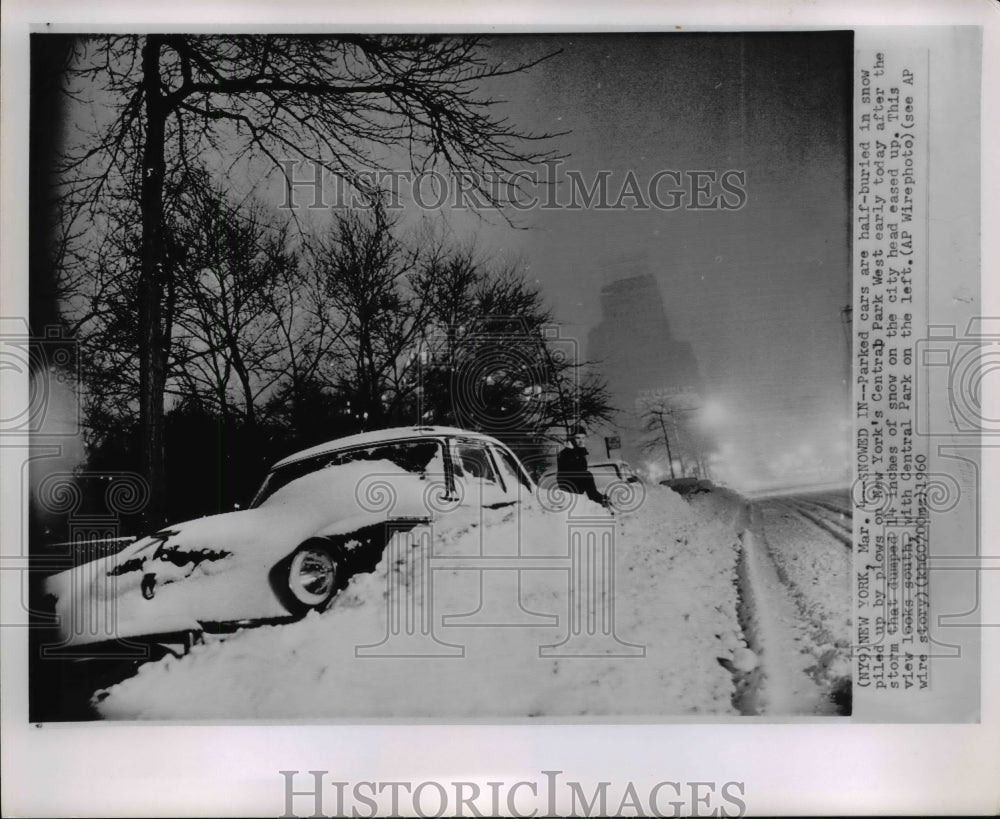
x: 666, y: 440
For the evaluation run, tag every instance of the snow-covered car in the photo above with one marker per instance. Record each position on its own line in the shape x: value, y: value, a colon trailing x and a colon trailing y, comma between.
x: 607, y: 473
x: 320, y: 516
x: 609, y: 476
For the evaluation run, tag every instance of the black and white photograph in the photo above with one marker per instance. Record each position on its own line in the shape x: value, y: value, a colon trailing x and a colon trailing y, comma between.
x: 542, y: 398
x: 516, y: 367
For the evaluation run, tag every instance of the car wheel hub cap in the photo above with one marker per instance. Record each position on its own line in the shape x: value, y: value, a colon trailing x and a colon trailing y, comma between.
x: 312, y: 576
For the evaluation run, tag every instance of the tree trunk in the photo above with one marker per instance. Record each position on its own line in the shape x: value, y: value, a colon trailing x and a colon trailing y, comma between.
x: 152, y: 347
x: 666, y: 440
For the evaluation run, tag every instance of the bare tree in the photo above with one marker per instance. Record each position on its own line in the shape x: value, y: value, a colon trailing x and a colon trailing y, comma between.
x: 367, y: 271
x: 238, y: 286
x: 430, y: 333
x: 344, y: 103
x: 667, y: 420
x: 493, y: 356
x: 252, y: 328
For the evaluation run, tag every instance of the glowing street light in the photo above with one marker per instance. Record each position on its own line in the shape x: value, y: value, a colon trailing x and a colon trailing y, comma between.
x: 713, y: 413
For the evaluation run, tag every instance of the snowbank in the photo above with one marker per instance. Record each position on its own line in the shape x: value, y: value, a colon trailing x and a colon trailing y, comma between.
x: 816, y: 567
x: 657, y: 639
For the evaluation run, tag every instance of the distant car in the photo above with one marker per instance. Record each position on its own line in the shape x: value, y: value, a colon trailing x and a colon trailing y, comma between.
x: 320, y: 516
x: 610, y: 476
x: 607, y: 473
x: 688, y: 486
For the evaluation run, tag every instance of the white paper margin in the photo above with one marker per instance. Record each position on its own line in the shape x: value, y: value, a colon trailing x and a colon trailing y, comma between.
x: 209, y: 770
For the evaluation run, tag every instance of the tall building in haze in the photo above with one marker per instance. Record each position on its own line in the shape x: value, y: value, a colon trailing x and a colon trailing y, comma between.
x: 644, y: 365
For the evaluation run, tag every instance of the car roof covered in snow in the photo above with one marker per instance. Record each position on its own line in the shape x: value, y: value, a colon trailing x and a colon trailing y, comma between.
x: 383, y: 436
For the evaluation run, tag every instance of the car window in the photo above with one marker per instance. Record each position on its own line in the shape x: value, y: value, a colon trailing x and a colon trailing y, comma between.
x: 512, y: 473
x: 424, y: 458
x: 474, y: 467
x: 418, y: 457
x: 473, y: 462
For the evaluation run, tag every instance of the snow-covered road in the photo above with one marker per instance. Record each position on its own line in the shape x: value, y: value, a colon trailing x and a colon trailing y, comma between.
x: 797, y: 571
x: 716, y: 606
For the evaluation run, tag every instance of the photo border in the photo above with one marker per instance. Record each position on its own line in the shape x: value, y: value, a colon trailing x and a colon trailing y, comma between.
x: 168, y: 769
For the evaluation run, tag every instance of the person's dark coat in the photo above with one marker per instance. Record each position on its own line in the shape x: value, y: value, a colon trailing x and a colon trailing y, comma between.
x: 572, y: 474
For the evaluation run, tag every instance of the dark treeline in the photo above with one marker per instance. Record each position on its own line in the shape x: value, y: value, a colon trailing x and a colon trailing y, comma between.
x: 214, y: 335
x: 280, y: 340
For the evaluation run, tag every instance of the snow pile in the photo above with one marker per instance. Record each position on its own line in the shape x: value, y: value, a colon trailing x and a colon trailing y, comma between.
x: 552, y: 638
x: 817, y: 567
x: 794, y: 608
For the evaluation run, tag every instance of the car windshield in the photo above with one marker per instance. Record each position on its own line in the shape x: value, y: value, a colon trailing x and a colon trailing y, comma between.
x: 418, y: 457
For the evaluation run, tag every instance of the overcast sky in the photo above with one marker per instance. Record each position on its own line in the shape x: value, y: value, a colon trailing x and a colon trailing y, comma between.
x: 757, y: 291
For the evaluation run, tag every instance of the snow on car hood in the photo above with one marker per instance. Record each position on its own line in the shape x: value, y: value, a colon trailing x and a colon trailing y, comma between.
x: 224, y: 560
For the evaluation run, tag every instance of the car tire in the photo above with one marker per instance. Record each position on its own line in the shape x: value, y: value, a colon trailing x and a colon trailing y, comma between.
x: 309, y: 578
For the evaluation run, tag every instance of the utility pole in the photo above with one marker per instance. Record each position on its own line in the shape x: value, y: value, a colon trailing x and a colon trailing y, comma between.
x: 679, y: 439
x: 666, y: 440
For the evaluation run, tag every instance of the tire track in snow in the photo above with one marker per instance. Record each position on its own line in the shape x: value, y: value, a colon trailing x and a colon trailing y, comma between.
x: 839, y: 502
x: 817, y: 571
x: 842, y: 510
x: 835, y: 528
x: 776, y: 631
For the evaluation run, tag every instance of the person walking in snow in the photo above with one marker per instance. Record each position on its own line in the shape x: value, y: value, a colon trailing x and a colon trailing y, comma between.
x: 572, y: 474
